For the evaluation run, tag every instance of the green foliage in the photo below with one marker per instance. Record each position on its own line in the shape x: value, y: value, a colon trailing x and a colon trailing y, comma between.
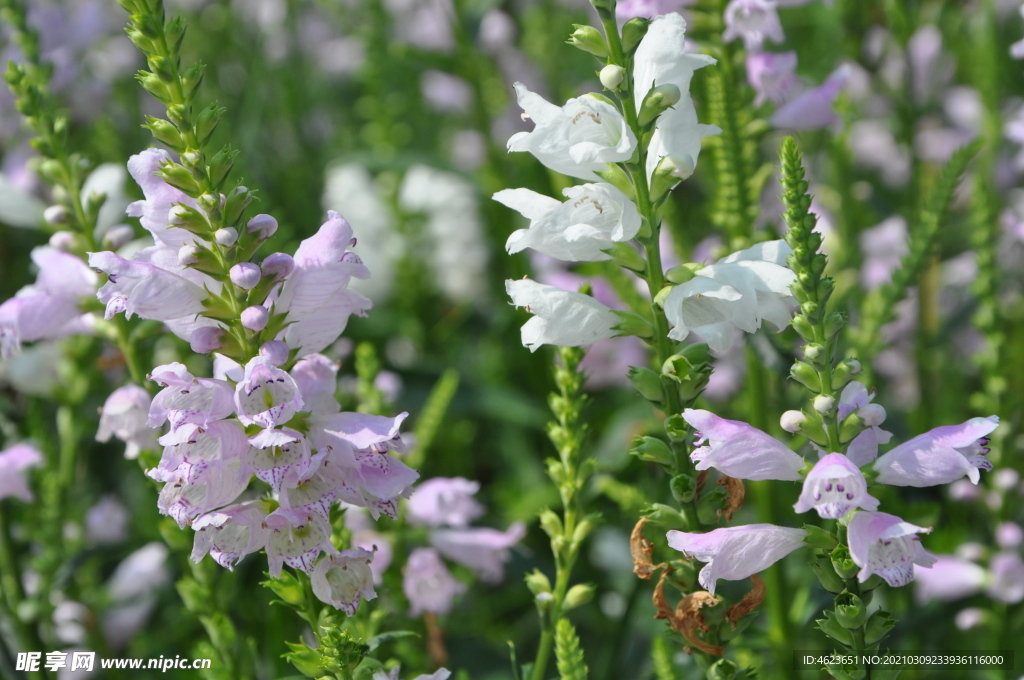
x: 568, y: 654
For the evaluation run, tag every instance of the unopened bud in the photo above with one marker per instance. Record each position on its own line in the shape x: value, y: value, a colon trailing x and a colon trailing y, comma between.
x: 62, y: 240
x: 578, y: 595
x: 658, y: 100
x: 647, y: 383
x: 813, y: 351
x: 278, y: 265
x: 255, y: 318
x: 589, y: 39
x: 188, y: 254
x: 537, y: 582
x: 55, y: 214
x: 245, y: 275
x: 266, y: 225
x: 118, y: 236
x: 823, y: 403
x: 612, y: 75
x: 670, y: 171
x: 791, y: 421
x: 633, y: 32
x: 653, y: 450
x: 226, y: 236
x: 276, y: 351
x: 206, y: 339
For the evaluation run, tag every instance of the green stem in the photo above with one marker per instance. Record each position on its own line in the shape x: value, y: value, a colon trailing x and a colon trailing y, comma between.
x: 14, y: 595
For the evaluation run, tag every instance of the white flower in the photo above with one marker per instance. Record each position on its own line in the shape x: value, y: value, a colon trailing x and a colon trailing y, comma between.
x: 661, y: 60
x: 560, y: 317
x: 594, y: 218
x: 457, y: 252
x: 739, y: 290
x: 577, y: 139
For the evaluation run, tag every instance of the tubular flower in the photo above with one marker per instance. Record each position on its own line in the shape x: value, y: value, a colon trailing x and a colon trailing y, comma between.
x: 834, y: 487
x: 342, y: 580
x: 428, y: 584
x: 661, y: 59
x: 864, y: 447
x: 484, y: 550
x: 560, y: 317
x: 940, y: 456
x: 886, y: 545
x: 595, y: 217
x: 578, y: 139
x: 740, y: 450
x: 13, y: 463
x: 739, y: 291
x: 736, y: 553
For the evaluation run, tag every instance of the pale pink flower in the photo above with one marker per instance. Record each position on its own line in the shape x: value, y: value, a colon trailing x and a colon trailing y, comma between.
x: 736, y: 553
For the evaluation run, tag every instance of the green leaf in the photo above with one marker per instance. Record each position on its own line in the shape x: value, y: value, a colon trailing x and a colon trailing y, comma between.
x: 378, y: 640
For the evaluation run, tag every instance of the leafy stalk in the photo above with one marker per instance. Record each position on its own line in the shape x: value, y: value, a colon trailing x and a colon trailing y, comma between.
x: 880, y: 306
x: 567, y: 532
x: 846, y: 622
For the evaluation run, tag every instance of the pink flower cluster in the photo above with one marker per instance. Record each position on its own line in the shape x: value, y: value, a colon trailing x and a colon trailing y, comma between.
x: 834, y: 487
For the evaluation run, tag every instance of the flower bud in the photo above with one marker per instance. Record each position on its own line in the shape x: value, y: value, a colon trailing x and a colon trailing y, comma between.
x: 802, y: 326
x: 831, y: 627
x: 206, y: 339
x: 255, y: 318
x: 266, y: 225
x: 683, y: 272
x: 245, y: 275
x: 55, y: 214
x: 844, y: 372
x: 827, y: 576
x: 647, y: 383
x: 550, y: 523
x: 653, y: 450
x: 670, y: 171
x: 850, y: 611
x: 805, y: 374
x: 850, y: 428
x: 188, y: 254
x: 791, y: 421
x: 276, y: 351
x: 612, y: 75
x: 823, y: 403
x: 118, y: 236
x: 813, y: 351
x: 537, y: 582
x: 188, y: 218
x: 658, y: 100
x: 633, y: 32
x: 878, y: 626
x: 589, y: 39
x: 626, y: 256
x: 578, y: 595
x: 62, y: 240
x: 226, y: 236
x: 843, y: 563
x: 683, y: 488
x: 278, y: 265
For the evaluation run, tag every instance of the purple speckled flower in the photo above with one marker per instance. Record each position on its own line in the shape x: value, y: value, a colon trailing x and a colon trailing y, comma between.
x: 187, y: 399
x: 267, y: 396
x: 274, y: 453
x: 884, y: 544
x: 428, y: 584
x: 125, y: 415
x: 229, y: 534
x: 940, y: 456
x: 297, y: 539
x: 343, y: 580
x: 834, y: 487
